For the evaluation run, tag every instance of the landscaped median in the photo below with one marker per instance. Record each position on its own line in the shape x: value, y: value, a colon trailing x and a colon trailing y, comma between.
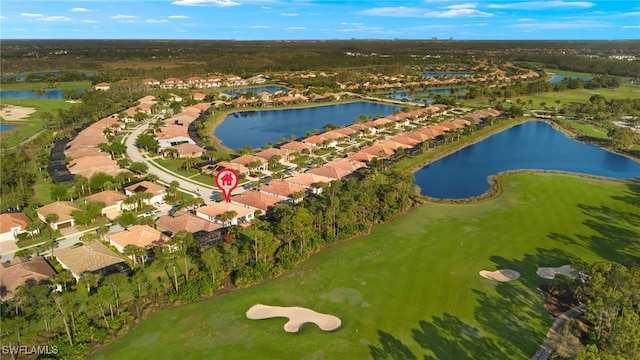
x: 412, y: 287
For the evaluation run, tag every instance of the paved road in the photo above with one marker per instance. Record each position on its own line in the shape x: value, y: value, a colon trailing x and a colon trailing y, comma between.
x: 193, y: 187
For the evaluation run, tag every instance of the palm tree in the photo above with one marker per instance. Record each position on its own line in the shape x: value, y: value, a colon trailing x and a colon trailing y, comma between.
x: 226, y: 217
x: 90, y: 280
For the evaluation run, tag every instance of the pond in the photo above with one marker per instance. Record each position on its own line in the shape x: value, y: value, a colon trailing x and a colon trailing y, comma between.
x: 269, y: 88
x: 557, y: 78
x: 5, y: 127
x: 532, y: 145
x: 55, y: 94
x: 257, y: 128
x: 406, y: 95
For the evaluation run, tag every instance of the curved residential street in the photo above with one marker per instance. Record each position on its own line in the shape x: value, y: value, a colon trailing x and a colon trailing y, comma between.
x: 195, y: 188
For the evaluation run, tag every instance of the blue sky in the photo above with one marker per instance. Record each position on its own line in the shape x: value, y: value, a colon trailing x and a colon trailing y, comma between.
x: 319, y: 19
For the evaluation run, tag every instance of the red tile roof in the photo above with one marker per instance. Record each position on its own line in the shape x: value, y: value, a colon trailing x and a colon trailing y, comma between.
x: 257, y: 199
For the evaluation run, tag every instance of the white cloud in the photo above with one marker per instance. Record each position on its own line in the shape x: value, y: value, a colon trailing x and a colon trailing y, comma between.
x: 631, y: 27
x: 31, y: 15
x: 351, y: 24
x: 78, y: 9
x: 400, y: 11
x: 458, y: 12
x: 124, y: 17
x: 178, y: 17
x: 289, y: 14
x: 54, y: 18
x: 296, y: 28
x: 561, y: 25
x: 265, y: 8
x: 260, y: 27
x: 2, y: 17
x: 525, y: 19
x: 542, y: 5
x: 88, y: 21
x: 221, y: 3
x: 154, y: 21
x: 362, y: 29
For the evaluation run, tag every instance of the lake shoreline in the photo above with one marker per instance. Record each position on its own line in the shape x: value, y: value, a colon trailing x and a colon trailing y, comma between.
x: 218, y: 117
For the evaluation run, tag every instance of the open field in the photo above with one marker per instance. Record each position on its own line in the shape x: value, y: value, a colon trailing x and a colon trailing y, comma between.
x: 411, y: 289
x: 32, y: 124
x: 69, y: 85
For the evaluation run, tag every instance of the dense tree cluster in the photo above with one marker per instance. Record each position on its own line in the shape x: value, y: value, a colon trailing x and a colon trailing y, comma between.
x: 84, y: 313
x: 609, y: 329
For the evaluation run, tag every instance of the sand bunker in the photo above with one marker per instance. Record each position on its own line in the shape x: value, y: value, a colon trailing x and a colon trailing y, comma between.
x: 503, y: 275
x: 12, y: 112
x: 551, y: 272
x: 297, y: 317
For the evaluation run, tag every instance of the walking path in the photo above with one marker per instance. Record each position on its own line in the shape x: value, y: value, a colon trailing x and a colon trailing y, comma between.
x: 546, y: 348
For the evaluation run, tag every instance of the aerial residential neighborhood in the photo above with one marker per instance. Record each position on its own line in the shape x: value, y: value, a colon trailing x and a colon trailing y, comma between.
x: 365, y: 191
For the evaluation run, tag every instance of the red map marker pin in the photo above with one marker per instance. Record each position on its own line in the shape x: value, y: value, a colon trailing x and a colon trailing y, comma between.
x: 227, y: 180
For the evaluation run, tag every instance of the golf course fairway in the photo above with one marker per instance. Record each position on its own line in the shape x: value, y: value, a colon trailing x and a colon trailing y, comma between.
x: 411, y: 289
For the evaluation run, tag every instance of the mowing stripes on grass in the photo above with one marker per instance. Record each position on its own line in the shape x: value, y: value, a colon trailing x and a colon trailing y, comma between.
x: 412, y: 286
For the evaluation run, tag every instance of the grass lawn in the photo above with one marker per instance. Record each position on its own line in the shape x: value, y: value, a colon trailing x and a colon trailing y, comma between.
x: 411, y: 288
x: 25, y: 86
x: 626, y: 91
x: 31, y: 125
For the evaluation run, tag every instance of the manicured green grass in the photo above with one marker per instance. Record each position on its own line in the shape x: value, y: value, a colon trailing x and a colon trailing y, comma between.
x: 71, y: 85
x: 31, y: 125
x: 412, y: 286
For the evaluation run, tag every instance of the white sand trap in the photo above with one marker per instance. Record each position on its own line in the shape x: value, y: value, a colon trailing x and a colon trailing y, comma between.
x: 503, y: 275
x: 551, y: 272
x: 12, y: 112
x: 297, y: 317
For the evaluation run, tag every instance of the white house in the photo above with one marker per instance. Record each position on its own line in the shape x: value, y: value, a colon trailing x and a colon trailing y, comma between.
x: 12, y: 224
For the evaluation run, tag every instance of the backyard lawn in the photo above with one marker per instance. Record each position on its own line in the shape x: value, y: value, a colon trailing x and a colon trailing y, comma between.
x: 411, y: 288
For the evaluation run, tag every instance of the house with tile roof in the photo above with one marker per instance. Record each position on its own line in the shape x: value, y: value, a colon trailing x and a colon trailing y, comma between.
x: 22, y: 271
x: 256, y: 200
x: 103, y: 86
x: 93, y: 257
x: 61, y: 208
x: 311, y: 182
x: 214, y: 168
x: 113, y: 200
x: 284, y: 190
x: 270, y: 152
x: 205, y: 233
x: 185, y: 221
x: 213, y: 210
x: 331, y: 172
x: 13, y: 224
x: 297, y: 146
x: 158, y: 192
x: 188, y: 150
x: 173, y: 134
x: 246, y: 160
x: 143, y: 236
